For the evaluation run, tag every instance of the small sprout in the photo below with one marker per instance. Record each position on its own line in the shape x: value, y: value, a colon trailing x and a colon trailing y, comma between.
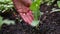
x: 35, y: 10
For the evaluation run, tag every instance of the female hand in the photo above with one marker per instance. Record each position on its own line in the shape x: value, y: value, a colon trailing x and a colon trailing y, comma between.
x: 22, y: 7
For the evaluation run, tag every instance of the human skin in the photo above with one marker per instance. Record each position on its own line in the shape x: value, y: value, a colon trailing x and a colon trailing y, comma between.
x: 22, y: 7
x: 26, y: 2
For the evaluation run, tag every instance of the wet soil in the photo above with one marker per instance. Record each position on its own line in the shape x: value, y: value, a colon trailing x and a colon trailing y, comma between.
x: 50, y: 24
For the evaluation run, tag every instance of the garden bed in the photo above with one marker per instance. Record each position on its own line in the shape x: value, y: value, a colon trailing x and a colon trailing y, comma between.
x: 49, y: 22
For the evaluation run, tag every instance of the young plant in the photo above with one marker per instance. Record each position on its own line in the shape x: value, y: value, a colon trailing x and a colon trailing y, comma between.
x: 35, y: 10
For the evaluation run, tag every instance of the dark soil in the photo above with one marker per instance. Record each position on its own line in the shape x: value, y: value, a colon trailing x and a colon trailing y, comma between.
x: 19, y: 28
x: 50, y: 25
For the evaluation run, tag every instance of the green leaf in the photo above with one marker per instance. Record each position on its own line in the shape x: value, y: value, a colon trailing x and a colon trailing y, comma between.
x: 35, y: 9
x: 1, y: 21
x: 8, y: 22
x: 58, y: 2
x: 35, y: 5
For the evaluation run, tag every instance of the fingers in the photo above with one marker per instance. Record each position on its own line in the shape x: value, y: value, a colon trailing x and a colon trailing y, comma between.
x: 22, y: 7
x: 27, y: 18
x: 31, y: 14
x: 26, y: 15
x: 23, y: 10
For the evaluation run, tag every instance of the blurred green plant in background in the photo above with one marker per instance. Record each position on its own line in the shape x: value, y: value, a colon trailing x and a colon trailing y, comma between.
x: 5, y: 4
